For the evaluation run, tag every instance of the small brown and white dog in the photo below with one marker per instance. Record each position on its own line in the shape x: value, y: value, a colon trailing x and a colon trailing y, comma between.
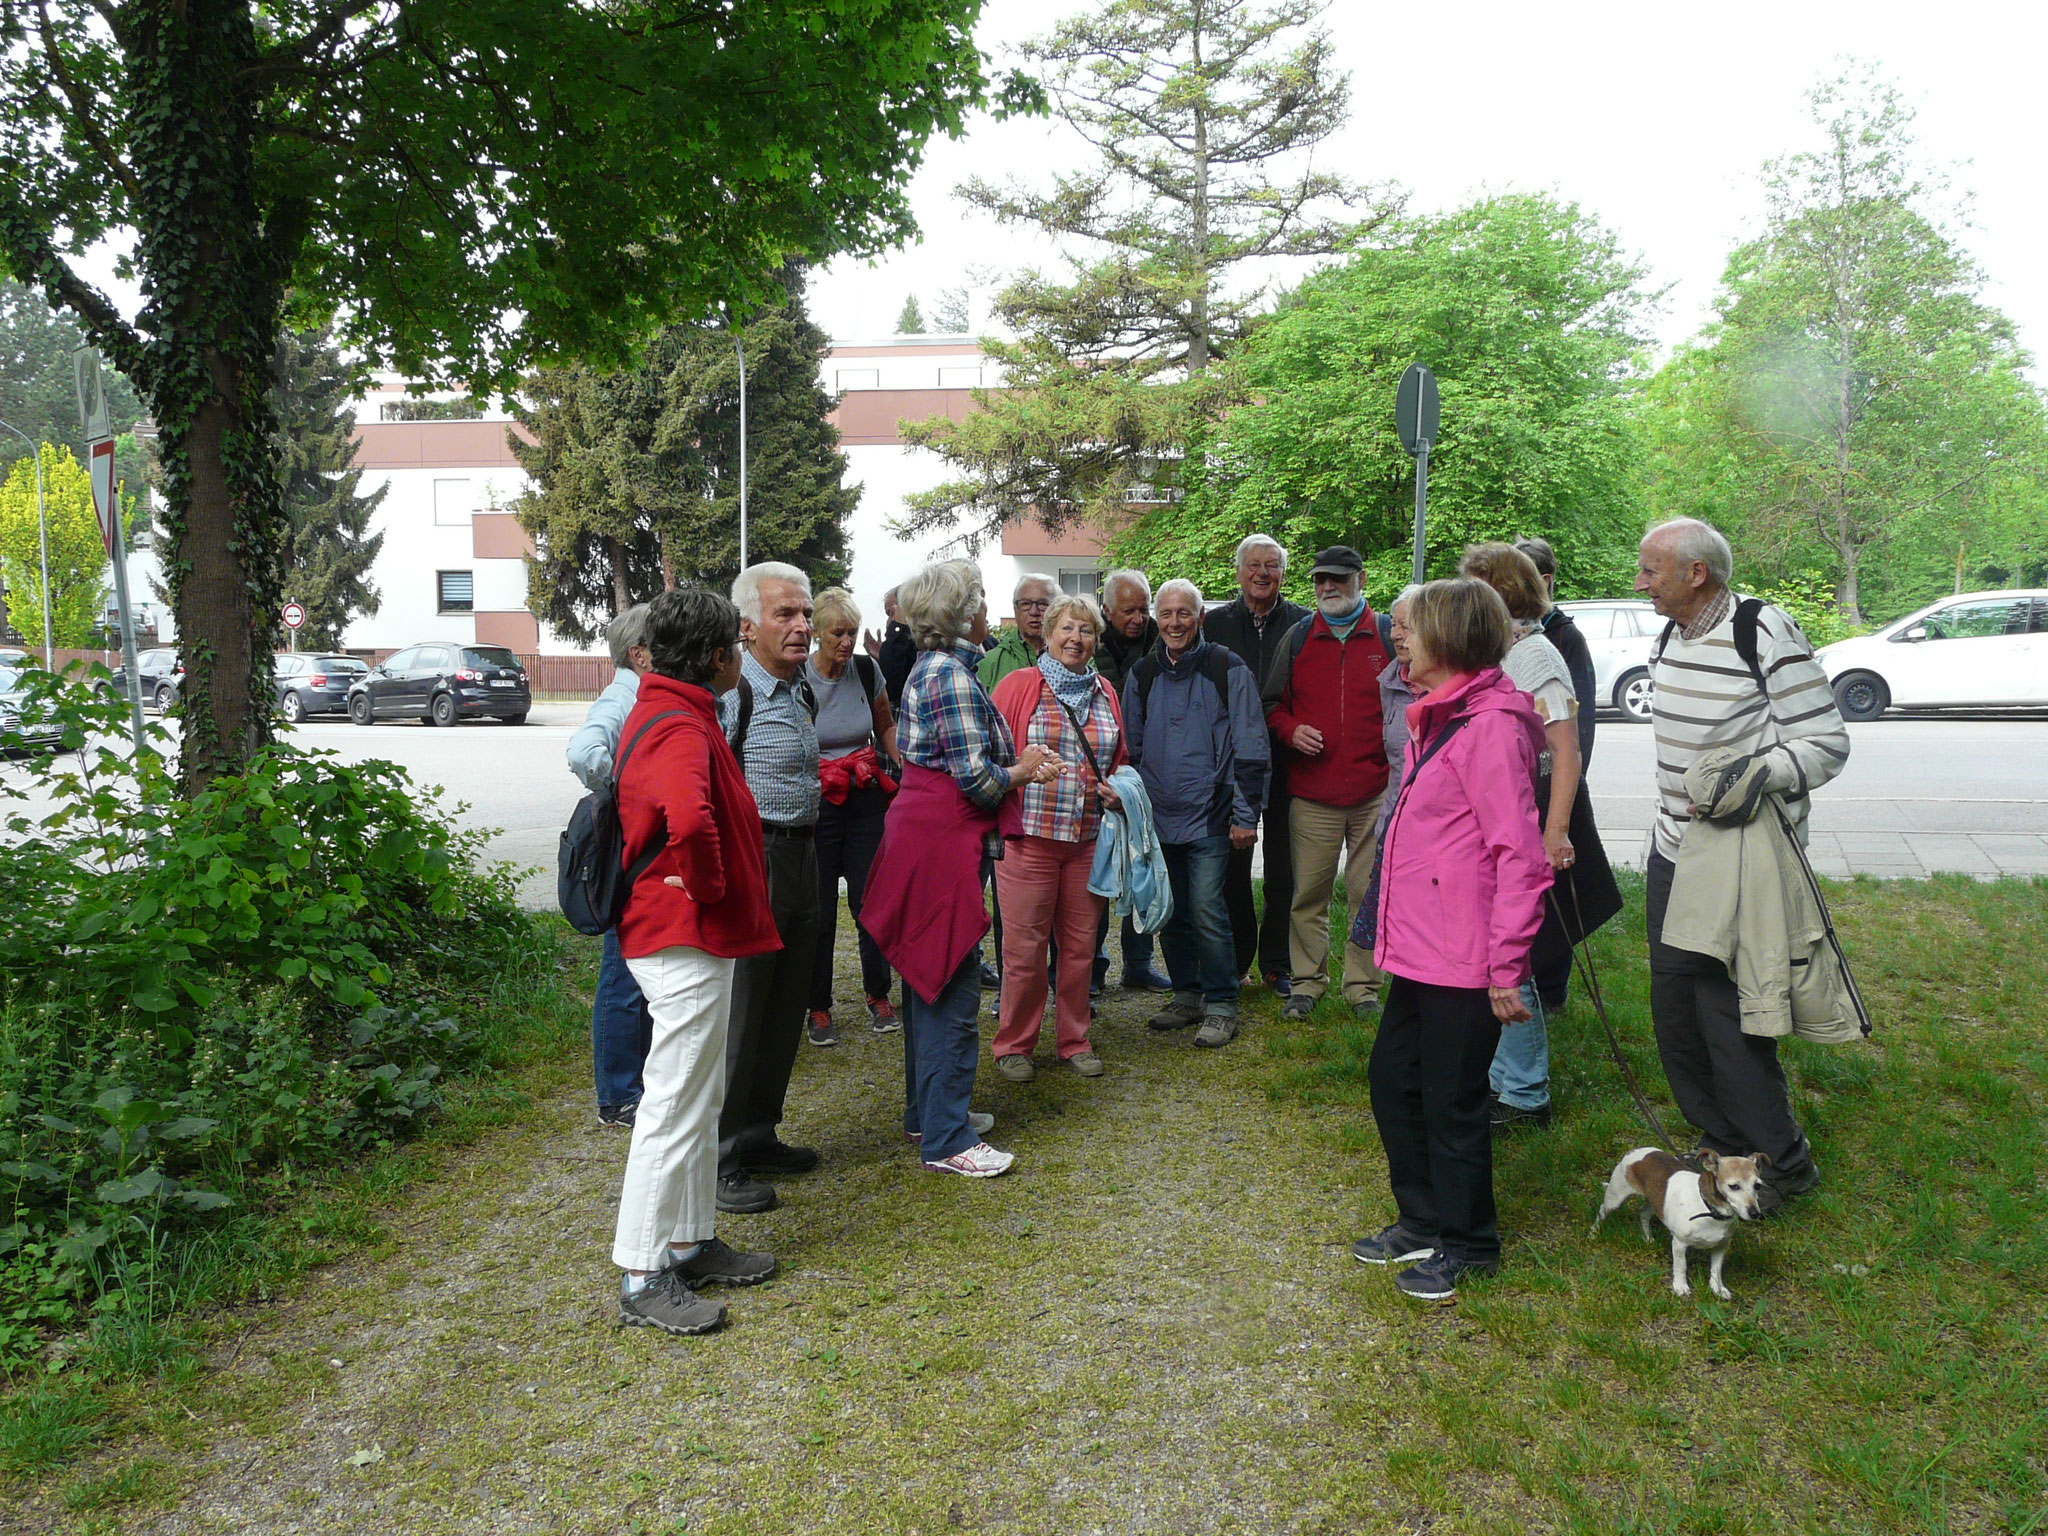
x: 1699, y: 1209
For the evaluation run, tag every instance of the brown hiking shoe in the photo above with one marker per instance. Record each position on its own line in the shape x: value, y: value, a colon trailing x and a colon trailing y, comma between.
x: 665, y: 1302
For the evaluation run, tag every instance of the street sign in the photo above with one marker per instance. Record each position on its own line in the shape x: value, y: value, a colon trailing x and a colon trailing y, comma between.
x: 1417, y: 414
x: 294, y: 615
x: 105, y: 504
x: 92, y: 394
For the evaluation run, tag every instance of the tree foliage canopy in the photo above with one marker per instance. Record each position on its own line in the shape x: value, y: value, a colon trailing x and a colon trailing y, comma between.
x: 78, y: 556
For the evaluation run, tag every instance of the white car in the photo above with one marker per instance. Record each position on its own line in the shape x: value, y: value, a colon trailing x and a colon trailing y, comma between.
x: 1967, y: 651
x: 1620, y: 632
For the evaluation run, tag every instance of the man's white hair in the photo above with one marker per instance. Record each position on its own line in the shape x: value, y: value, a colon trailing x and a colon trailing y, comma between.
x: 1690, y: 539
x: 1122, y: 578
x: 1050, y: 583
x: 746, y: 587
x: 1182, y: 584
x: 1252, y: 541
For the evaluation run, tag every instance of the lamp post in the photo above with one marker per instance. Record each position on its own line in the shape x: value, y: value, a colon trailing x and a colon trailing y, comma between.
x: 43, y: 535
x: 740, y: 347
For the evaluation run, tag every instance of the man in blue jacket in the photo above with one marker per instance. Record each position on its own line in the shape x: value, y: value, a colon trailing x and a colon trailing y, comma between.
x: 1196, y: 731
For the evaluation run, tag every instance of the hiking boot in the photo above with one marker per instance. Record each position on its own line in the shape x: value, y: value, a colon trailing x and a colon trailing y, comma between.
x: 820, y: 1030
x: 717, y: 1262
x: 1147, y: 980
x: 882, y: 1016
x: 1217, y: 1029
x: 990, y: 981
x: 1512, y: 1117
x: 1791, y: 1187
x: 1437, y: 1277
x: 779, y: 1159
x: 980, y: 1161
x: 1175, y: 1016
x: 618, y: 1116
x: 1392, y: 1245
x: 1086, y: 1064
x: 1299, y: 1005
x: 1016, y: 1069
x: 665, y: 1302
x: 744, y: 1196
x: 980, y: 1124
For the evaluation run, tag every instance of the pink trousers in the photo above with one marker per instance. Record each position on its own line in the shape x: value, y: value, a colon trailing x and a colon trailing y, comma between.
x: 1043, y: 886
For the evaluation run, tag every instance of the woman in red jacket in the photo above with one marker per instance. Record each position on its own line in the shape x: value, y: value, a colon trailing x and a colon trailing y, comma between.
x: 698, y: 906
x: 1462, y: 882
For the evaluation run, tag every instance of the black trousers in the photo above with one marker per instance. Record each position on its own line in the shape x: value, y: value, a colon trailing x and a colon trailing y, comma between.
x: 1262, y: 939
x: 768, y: 997
x: 1428, y: 1076
x: 848, y: 836
x: 1728, y: 1084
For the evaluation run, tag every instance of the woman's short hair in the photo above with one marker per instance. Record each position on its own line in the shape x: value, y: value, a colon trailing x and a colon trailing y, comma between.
x: 1539, y: 550
x: 626, y: 631
x: 746, y: 587
x: 1404, y: 595
x: 831, y: 606
x: 1460, y: 624
x: 1071, y: 603
x: 686, y: 629
x: 1510, y: 573
x: 939, y: 603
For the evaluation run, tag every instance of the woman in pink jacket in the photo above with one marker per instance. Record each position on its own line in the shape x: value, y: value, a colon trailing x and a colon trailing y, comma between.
x: 1462, y: 881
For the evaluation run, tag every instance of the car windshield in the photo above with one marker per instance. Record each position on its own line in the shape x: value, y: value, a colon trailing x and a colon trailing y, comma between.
x: 489, y: 656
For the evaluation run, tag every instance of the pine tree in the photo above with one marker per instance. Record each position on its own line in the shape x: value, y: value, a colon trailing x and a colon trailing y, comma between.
x: 37, y: 395
x: 1203, y: 114
x: 910, y: 320
x: 330, y: 551
x: 636, y: 473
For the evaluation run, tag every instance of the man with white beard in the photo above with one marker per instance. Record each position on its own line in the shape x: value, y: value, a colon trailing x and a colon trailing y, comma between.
x: 1323, y: 703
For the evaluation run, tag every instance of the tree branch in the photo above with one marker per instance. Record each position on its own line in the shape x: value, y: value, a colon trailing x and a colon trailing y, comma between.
x: 81, y: 107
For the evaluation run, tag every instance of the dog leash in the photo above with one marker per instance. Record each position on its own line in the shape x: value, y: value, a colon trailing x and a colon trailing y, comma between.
x: 1582, y: 960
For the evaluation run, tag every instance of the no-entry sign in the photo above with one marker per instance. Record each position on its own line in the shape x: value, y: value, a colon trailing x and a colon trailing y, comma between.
x: 294, y: 615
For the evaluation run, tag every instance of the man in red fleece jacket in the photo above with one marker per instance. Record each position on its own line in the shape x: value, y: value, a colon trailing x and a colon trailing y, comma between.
x: 1323, y: 703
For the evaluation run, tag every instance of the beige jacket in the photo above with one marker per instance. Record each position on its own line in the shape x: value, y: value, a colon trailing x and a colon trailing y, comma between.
x: 1744, y: 893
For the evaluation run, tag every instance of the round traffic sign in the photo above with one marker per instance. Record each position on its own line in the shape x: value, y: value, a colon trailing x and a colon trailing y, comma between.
x: 294, y: 615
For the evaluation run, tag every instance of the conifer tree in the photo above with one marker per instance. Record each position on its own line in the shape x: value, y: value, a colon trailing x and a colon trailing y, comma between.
x: 330, y: 550
x: 910, y: 319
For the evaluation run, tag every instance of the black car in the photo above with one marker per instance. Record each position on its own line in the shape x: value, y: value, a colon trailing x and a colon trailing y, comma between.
x: 443, y: 682
x: 313, y: 684
x: 162, y: 674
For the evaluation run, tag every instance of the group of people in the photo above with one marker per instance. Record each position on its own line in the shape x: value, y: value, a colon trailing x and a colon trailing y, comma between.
x: 1129, y: 759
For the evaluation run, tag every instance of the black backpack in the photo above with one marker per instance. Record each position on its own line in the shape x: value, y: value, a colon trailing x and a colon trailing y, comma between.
x: 1746, y: 613
x: 592, y: 880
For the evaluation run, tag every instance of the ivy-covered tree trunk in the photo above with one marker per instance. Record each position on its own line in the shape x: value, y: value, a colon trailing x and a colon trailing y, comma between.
x: 213, y: 319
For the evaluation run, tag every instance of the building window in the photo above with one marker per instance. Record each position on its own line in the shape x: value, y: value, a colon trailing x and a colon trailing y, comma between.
x: 451, y: 503
x: 856, y: 378
x: 960, y: 378
x: 457, y: 591
x: 1087, y: 582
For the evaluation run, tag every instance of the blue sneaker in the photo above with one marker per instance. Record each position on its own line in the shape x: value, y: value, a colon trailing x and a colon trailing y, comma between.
x: 1436, y: 1278
x: 1281, y: 986
x: 1147, y: 980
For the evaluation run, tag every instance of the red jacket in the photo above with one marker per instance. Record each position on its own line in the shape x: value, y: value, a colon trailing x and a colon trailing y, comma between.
x: 1016, y: 699
x: 1333, y: 685
x: 681, y: 783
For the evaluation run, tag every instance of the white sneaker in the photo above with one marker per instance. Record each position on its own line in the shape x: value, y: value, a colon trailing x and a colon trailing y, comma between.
x: 980, y: 1161
x: 977, y: 1122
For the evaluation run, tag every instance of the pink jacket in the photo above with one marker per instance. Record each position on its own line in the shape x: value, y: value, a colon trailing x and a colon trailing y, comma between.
x: 1463, y: 874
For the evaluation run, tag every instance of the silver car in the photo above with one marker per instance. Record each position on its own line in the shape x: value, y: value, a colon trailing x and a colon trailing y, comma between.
x: 1620, y: 632
x: 13, y: 696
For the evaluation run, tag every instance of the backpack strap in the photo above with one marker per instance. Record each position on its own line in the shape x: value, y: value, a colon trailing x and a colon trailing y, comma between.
x: 738, y: 739
x: 1747, y: 614
x: 1385, y: 621
x: 1216, y: 666
x: 870, y: 678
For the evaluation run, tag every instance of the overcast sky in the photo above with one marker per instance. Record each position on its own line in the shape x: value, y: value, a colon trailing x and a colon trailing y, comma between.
x: 1657, y: 118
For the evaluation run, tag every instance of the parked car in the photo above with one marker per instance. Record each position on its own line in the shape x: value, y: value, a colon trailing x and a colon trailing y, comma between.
x: 313, y: 684
x: 1621, y: 633
x: 162, y: 674
x: 443, y: 682
x: 17, y: 731
x: 1970, y: 650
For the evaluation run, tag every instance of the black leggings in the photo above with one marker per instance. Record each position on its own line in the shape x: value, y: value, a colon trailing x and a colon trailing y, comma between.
x: 847, y: 837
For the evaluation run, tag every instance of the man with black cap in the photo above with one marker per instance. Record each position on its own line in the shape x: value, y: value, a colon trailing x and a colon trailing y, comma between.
x: 1323, y: 702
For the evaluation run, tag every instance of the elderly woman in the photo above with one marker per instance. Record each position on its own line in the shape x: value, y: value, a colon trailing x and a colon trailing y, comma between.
x: 1049, y: 836
x: 923, y: 903
x: 857, y: 764
x: 1461, y: 897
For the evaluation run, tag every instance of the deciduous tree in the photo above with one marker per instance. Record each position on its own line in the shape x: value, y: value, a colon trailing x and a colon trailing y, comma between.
x: 78, y: 557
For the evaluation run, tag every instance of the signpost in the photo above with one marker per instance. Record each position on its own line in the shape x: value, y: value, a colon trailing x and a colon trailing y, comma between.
x: 294, y: 620
x: 106, y: 505
x: 1418, y: 416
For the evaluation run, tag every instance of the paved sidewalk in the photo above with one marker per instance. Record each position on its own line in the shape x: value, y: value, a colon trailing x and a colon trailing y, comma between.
x: 1886, y: 855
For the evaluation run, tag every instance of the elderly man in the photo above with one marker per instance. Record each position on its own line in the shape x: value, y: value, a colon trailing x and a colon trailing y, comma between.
x: 1323, y: 701
x: 1129, y: 631
x: 1194, y: 730
x: 1019, y: 644
x: 1733, y: 674
x: 769, y: 721
x: 1253, y: 624
x: 620, y: 1027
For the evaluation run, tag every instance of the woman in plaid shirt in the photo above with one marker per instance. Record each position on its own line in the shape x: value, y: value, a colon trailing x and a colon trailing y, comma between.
x: 1049, y: 837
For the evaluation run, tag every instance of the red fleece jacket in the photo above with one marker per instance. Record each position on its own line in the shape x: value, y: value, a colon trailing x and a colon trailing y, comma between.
x: 1333, y: 685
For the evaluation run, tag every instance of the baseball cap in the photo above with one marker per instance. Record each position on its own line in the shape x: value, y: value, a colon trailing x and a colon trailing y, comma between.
x: 1337, y: 560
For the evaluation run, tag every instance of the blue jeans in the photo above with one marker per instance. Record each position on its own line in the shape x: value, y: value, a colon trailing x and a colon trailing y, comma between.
x: 620, y: 1029
x: 1137, y: 949
x: 941, y: 1044
x: 1521, y: 1063
x: 1201, y: 953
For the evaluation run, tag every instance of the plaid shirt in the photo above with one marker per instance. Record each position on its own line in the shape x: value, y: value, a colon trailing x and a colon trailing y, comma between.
x: 948, y: 724
x: 1067, y: 809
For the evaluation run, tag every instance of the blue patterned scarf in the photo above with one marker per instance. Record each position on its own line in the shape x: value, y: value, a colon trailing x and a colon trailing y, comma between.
x: 1074, y: 689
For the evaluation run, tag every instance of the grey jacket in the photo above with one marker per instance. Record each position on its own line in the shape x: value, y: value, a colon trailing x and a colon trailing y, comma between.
x: 596, y: 741
x: 1204, y: 759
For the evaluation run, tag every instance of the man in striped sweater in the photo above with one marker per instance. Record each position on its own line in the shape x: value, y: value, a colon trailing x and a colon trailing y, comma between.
x: 1728, y: 673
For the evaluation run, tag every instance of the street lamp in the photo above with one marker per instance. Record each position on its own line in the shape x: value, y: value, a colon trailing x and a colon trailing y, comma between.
x: 43, y: 534
x: 740, y: 347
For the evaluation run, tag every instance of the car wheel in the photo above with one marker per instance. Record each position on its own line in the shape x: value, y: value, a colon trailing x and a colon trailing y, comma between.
x: 443, y: 709
x: 515, y: 719
x: 1632, y: 695
x: 165, y: 699
x: 359, y: 708
x: 294, y: 709
x: 1862, y: 696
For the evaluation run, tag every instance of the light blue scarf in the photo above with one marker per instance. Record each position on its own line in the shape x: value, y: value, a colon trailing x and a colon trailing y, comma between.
x: 1074, y: 689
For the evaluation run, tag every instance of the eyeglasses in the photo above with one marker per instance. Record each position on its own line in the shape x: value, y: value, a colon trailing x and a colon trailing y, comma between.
x: 1264, y: 567
x: 1040, y: 604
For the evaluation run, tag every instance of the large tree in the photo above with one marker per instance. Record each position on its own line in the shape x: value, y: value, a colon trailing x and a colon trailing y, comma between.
x: 1854, y: 395
x: 635, y: 472
x: 1530, y: 316
x: 1203, y: 115
x: 467, y: 189
x: 332, y: 551
x: 77, y: 555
